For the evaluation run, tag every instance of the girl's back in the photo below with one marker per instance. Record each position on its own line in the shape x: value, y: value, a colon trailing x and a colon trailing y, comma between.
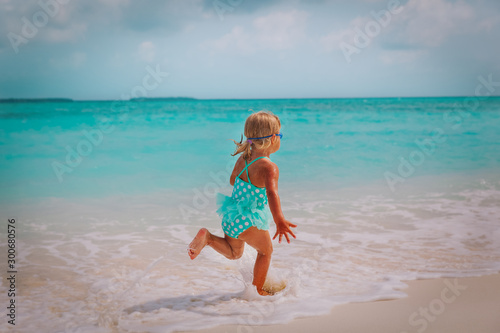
x: 258, y: 171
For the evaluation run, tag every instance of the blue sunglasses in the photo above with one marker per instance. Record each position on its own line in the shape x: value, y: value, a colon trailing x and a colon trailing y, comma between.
x: 265, y: 137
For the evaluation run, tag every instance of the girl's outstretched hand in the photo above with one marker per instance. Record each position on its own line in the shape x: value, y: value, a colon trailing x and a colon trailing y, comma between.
x: 283, y: 228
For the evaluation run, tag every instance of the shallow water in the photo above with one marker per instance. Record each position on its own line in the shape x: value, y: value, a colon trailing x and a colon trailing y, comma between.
x: 104, y: 250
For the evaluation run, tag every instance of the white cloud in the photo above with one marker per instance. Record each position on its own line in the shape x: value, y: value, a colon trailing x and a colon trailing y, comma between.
x: 332, y: 40
x: 489, y: 23
x: 420, y: 24
x: 147, y: 51
x: 53, y: 22
x: 276, y: 31
x: 237, y: 39
x: 280, y: 30
x: 7, y: 5
x: 429, y: 23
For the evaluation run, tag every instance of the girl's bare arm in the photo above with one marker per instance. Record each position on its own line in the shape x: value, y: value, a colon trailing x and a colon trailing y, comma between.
x: 282, y: 225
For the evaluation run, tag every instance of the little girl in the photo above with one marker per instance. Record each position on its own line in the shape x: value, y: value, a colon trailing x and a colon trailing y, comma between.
x: 245, y: 214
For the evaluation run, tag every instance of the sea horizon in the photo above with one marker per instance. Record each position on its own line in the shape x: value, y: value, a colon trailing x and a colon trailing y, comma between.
x: 188, y: 98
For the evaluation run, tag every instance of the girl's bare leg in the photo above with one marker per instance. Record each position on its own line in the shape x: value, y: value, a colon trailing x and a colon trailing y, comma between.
x: 229, y: 247
x: 260, y: 240
x: 232, y: 248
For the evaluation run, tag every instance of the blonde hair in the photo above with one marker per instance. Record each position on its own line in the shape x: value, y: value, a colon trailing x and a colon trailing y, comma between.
x: 262, y: 123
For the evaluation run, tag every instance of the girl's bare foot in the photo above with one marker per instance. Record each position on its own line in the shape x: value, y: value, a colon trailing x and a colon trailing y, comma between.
x: 198, y: 243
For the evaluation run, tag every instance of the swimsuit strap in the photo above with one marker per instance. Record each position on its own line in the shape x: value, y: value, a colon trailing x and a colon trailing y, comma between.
x: 246, y: 168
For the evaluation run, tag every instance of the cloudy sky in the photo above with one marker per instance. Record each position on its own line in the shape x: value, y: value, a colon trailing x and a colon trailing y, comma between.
x: 110, y: 49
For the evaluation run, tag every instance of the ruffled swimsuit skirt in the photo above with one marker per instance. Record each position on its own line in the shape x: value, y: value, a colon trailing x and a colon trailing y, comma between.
x: 246, y: 207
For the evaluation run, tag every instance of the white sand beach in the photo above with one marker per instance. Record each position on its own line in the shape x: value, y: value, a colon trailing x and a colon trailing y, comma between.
x: 463, y: 305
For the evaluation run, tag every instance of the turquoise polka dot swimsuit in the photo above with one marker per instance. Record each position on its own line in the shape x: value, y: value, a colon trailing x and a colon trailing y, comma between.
x: 246, y: 207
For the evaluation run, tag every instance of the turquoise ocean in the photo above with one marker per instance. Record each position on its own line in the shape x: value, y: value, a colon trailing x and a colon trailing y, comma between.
x: 108, y: 194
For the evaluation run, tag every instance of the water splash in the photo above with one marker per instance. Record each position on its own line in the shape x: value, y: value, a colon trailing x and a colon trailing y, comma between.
x: 109, y: 317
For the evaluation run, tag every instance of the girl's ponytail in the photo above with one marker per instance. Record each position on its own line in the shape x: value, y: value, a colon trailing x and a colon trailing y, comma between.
x: 243, y: 147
